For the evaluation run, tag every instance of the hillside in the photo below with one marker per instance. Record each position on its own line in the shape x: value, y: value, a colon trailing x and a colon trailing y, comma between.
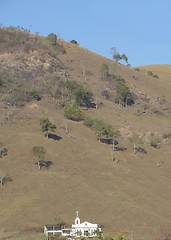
x: 130, y: 195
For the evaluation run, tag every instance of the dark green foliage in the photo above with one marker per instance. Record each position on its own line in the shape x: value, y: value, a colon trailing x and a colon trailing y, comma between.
x: 77, y: 92
x: 124, y: 57
x: 39, y: 152
x: 73, y: 112
x: 123, y: 94
x: 36, y: 94
x: 52, y: 38
x: 74, y: 42
x: 83, y: 97
x: 102, y: 129
x: 47, y: 125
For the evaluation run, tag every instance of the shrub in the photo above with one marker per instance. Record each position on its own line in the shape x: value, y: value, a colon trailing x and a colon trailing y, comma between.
x: 153, y: 143
x: 73, y: 90
x: 102, y: 129
x: 74, y: 42
x: 137, y: 69
x: 150, y: 73
x: 83, y: 96
x: 123, y: 94
x: 52, y: 38
x: 39, y: 152
x: 36, y: 94
x: 73, y: 112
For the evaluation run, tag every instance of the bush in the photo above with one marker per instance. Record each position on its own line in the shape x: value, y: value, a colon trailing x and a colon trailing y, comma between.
x: 83, y: 96
x: 39, y: 152
x: 73, y: 90
x: 150, y: 73
x: 102, y: 129
x: 74, y: 42
x: 73, y: 112
x: 36, y: 94
x: 137, y: 69
x: 154, y: 143
x: 52, y: 38
x: 123, y: 94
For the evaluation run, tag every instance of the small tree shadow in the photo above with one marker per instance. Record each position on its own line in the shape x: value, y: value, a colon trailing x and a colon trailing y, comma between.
x: 54, y: 136
x: 120, y: 148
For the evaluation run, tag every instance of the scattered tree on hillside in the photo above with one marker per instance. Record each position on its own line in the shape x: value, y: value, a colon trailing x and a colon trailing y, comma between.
x: 73, y: 112
x: 71, y: 90
x: 74, y: 42
x: 123, y: 95
x: 39, y: 152
x: 36, y: 94
x: 83, y: 97
x: 117, y: 56
x: 52, y: 38
x: 125, y: 58
x: 103, y: 130
x: 47, y: 126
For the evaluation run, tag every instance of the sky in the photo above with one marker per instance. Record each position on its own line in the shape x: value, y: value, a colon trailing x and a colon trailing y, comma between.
x: 139, y: 28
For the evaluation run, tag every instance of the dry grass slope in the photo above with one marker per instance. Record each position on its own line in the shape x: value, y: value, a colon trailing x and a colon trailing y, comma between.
x: 131, y: 196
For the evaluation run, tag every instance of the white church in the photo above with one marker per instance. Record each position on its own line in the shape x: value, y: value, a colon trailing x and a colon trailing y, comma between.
x: 85, y: 229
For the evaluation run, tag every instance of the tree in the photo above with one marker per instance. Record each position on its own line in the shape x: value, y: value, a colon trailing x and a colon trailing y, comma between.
x: 115, y: 55
x: 36, y: 94
x: 83, y: 96
x: 52, y: 38
x: 123, y: 94
x: 125, y: 58
x: 74, y: 42
x: 39, y: 152
x: 102, y: 129
x: 47, y: 126
x: 73, y: 112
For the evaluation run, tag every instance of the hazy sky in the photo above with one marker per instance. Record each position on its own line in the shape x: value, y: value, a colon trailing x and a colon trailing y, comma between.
x: 139, y: 28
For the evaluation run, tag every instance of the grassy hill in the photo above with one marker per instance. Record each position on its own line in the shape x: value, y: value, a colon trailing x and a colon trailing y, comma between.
x: 130, y: 195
